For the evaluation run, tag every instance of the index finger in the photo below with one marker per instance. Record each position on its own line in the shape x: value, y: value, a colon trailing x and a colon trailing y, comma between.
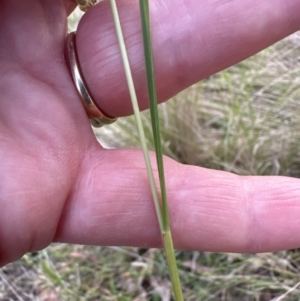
x: 191, y: 40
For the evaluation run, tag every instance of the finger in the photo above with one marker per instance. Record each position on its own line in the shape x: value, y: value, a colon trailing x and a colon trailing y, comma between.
x: 191, y: 40
x: 209, y: 210
x: 44, y: 23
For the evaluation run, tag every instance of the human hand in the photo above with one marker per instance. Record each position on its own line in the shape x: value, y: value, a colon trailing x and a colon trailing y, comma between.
x: 58, y: 184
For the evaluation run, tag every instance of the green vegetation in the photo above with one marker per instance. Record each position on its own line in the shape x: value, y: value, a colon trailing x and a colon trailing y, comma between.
x: 64, y: 272
x: 243, y: 120
x: 154, y: 117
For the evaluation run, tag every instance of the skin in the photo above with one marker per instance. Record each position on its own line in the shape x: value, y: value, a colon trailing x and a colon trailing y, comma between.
x: 57, y: 184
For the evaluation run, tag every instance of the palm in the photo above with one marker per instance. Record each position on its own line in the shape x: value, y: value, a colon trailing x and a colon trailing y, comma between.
x: 44, y: 132
x: 58, y: 184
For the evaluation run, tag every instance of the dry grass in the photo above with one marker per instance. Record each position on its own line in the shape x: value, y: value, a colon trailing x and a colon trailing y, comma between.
x: 243, y: 119
x: 64, y: 272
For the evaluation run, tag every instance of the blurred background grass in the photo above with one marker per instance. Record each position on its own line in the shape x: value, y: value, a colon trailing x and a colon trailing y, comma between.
x: 244, y: 120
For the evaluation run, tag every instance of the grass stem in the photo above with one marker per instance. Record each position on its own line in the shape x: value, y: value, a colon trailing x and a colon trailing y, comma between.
x: 166, y: 234
x: 161, y: 211
x: 136, y: 110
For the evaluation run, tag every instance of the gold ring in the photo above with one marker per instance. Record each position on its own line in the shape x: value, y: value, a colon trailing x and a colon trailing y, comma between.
x: 97, y: 117
x: 84, y: 5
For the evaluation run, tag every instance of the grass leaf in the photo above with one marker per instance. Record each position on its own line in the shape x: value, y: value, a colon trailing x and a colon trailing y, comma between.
x: 144, y: 8
x: 166, y: 233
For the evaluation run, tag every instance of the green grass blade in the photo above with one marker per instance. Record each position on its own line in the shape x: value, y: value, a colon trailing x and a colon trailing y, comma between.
x: 172, y: 265
x: 144, y: 7
x: 166, y: 234
x: 136, y: 110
